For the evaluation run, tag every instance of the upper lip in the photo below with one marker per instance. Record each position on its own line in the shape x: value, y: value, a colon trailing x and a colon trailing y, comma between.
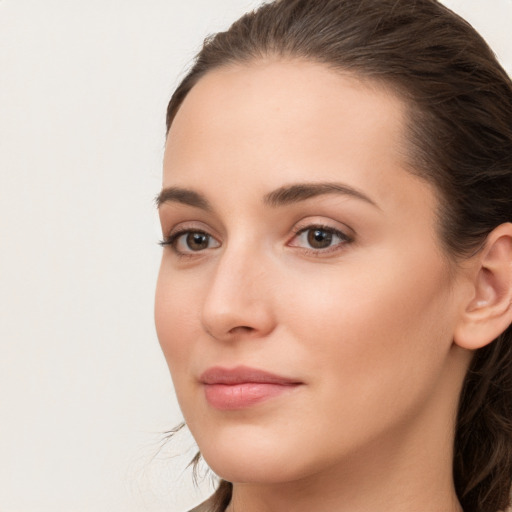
x: 243, y: 374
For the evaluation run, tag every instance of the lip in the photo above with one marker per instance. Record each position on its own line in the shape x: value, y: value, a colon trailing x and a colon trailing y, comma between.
x: 242, y: 386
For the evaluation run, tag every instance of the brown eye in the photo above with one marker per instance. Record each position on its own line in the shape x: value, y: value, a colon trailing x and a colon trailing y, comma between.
x: 319, y: 238
x: 196, y: 241
x: 188, y: 242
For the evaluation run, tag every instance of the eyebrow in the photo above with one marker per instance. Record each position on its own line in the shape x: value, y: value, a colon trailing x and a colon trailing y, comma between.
x: 301, y: 191
x: 282, y: 196
x: 183, y: 196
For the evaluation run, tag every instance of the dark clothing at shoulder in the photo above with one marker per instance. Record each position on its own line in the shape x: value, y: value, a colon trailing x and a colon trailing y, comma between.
x: 206, y: 506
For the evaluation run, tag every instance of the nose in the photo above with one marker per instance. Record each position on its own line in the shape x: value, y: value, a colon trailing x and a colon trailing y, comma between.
x: 238, y: 301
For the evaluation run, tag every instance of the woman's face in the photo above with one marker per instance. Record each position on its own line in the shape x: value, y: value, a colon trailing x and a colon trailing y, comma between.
x: 304, y: 305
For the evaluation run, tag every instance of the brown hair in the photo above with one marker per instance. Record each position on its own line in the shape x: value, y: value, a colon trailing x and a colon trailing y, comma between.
x: 460, y: 139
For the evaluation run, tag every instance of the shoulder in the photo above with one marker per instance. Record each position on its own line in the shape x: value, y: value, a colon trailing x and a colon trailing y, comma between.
x: 218, y: 501
x: 206, y: 506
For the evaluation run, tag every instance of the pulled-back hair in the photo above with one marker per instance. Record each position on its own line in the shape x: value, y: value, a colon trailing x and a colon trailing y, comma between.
x: 459, y: 136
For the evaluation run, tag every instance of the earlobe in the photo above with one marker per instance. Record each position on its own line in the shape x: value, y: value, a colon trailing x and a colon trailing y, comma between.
x: 489, y: 311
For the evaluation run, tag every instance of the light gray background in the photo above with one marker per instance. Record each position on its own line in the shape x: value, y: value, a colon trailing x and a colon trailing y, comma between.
x: 84, y: 390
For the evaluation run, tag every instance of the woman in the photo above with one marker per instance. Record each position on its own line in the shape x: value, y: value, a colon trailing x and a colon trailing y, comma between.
x: 335, y: 295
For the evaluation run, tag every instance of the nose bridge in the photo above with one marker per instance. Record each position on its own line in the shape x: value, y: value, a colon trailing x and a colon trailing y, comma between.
x: 238, y: 297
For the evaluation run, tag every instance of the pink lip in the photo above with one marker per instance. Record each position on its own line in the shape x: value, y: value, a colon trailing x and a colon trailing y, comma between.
x: 241, y: 387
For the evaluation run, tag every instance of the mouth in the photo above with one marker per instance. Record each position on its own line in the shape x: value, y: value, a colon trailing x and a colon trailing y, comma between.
x: 241, y: 387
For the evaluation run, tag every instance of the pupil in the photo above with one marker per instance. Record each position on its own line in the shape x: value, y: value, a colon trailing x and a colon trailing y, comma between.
x: 319, y: 239
x: 197, y: 241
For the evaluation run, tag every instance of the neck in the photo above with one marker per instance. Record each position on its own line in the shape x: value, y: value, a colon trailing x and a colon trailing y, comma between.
x: 381, y: 481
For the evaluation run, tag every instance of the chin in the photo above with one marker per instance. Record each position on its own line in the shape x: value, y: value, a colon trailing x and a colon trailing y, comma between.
x: 250, y: 457
x: 261, y: 470
x: 259, y: 456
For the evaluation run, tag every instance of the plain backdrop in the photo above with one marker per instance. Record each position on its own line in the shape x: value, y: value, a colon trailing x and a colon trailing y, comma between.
x: 85, y: 395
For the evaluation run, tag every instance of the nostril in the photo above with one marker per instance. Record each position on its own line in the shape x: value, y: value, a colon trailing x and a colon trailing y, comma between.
x: 239, y: 329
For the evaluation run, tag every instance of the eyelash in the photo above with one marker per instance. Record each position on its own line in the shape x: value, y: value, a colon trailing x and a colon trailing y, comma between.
x: 329, y: 230
x: 173, y: 239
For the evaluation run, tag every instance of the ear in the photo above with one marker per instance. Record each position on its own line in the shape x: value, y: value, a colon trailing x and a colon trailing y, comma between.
x: 488, y: 312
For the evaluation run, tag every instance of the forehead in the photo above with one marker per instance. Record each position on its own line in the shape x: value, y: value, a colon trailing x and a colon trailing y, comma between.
x: 280, y: 102
x: 269, y: 123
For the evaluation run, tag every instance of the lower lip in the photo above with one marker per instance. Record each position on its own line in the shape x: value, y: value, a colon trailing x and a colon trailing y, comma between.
x: 229, y: 397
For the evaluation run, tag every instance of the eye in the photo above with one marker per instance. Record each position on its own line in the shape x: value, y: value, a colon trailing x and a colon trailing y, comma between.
x: 187, y: 242
x: 319, y: 238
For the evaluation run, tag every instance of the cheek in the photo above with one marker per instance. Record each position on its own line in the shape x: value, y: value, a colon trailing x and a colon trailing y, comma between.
x: 374, y: 334
x: 176, y: 314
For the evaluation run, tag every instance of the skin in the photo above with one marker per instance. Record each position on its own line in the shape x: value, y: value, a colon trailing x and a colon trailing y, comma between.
x: 365, y: 324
